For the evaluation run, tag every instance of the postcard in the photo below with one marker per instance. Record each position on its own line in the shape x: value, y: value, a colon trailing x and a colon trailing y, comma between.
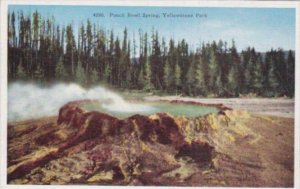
x: 139, y: 93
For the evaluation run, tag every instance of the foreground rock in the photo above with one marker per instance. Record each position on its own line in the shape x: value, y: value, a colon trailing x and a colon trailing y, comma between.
x: 231, y: 148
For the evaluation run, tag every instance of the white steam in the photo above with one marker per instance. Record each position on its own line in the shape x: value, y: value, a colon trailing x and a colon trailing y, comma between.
x: 26, y: 101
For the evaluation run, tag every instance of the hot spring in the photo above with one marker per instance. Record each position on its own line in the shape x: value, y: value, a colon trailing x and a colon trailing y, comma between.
x: 29, y: 101
x: 148, y: 108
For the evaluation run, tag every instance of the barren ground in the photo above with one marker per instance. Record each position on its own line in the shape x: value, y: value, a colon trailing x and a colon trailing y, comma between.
x: 229, y: 148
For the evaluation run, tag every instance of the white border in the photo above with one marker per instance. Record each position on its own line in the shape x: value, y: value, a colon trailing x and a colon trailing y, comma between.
x: 3, y: 92
x: 182, y: 3
x: 176, y: 3
x: 297, y: 102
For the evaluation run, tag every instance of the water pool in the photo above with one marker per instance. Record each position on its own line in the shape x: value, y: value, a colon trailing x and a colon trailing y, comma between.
x: 149, y: 108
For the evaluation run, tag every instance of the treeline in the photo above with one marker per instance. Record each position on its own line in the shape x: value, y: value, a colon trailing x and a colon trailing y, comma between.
x: 40, y: 49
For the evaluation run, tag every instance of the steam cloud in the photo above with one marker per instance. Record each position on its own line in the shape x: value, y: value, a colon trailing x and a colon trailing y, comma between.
x: 26, y: 101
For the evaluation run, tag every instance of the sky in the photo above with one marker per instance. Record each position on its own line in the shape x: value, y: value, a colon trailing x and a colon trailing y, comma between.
x: 262, y: 28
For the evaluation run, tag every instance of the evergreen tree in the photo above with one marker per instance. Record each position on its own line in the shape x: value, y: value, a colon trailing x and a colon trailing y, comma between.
x: 177, y: 77
x: 80, y: 74
x: 168, y: 76
x: 219, y: 90
x: 291, y: 74
x: 272, y: 84
x: 200, y: 77
x: 110, y: 60
x: 224, y: 67
x: 124, y: 64
x: 280, y: 70
x: 36, y: 22
x: 39, y: 48
x: 12, y: 31
x: 148, y: 84
x: 70, y: 52
x: 183, y: 62
x: 245, y: 74
x: 60, y: 71
x: 116, y: 66
x: 156, y: 62
x: 232, y: 81
x: 249, y: 71
x: 213, y: 71
x: 94, y: 77
x: 191, y: 75
x: 107, y: 73
x: 171, y: 60
x: 234, y: 76
x: 141, y: 80
x: 13, y: 50
x: 257, y: 75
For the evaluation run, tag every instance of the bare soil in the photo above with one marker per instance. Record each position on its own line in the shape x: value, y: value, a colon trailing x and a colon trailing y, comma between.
x: 229, y: 148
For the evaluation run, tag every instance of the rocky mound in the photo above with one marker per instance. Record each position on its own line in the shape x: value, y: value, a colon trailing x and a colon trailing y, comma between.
x: 231, y: 148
